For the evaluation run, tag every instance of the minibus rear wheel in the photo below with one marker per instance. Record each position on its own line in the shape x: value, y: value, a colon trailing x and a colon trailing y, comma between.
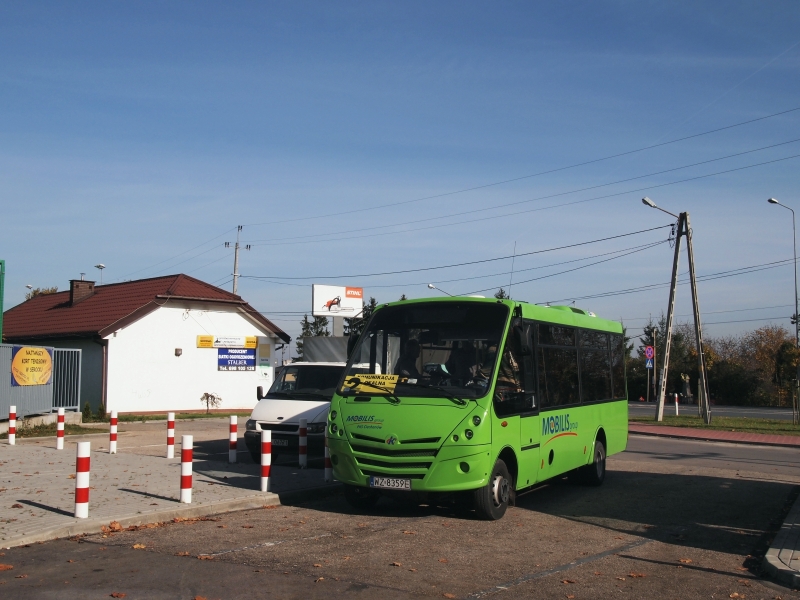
x: 492, y: 500
x: 595, y: 472
x: 360, y: 498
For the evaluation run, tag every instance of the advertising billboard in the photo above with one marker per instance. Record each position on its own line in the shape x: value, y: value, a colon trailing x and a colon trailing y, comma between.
x: 336, y: 300
x: 31, y: 365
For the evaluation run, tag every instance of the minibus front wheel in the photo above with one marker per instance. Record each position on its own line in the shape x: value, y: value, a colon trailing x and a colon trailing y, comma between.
x: 492, y: 500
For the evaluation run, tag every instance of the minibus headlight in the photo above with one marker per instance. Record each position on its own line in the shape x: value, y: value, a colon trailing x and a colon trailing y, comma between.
x: 333, y: 428
x: 468, y: 434
x: 333, y: 415
x: 476, y: 420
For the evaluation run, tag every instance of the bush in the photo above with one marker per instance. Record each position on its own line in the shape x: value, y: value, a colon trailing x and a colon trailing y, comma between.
x: 87, y: 413
x: 100, y: 415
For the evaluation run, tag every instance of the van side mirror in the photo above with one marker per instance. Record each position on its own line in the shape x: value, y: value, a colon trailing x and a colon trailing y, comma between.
x: 260, y: 393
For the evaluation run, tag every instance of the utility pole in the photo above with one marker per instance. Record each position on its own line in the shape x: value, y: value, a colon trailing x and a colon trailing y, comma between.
x: 2, y: 293
x: 236, y: 258
x: 683, y: 228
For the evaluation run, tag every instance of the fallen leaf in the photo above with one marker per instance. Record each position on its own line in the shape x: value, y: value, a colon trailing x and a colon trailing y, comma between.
x: 410, y: 532
x: 742, y: 569
x: 448, y: 595
x: 736, y: 595
x: 567, y: 581
x: 181, y: 554
x: 16, y: 506
x: 413, y: 570
x: 346, y: 557
x: 6, y: 567
x: 633, y: 575
x: 222, y: 526
x: 117, y: 594
x: 686, y: 561
x: 395, y: 564
x: 318, y: 580
x: 71, y: 476
x: 247, y: 526
x: 139, y: 546
x: 621, y: 578
x: 570, y: 595
x: 114, y: 526
x: 200, y: 598
x: 70, y: 560
x: 443, y: 560
x: 317, y: 565
x: 205, y: 557
x: 597, y: 573
x: 258, y: 570
x: 20, y: 576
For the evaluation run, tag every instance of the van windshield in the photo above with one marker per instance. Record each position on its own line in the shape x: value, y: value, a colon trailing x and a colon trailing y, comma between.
x: 449, y: 345
x: 306, y: 382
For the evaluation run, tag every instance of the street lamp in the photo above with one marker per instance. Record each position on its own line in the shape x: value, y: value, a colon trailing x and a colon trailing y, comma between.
x: 796, y: 312
x: 433, y: 287
x: 100, y: 268
x: 647, y: 202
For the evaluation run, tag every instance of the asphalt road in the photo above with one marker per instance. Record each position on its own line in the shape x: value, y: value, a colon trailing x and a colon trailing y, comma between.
x: 648, y: 409
x: 674, y: 519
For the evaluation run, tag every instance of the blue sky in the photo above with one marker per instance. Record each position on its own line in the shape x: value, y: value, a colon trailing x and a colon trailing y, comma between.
x: 133, y: 133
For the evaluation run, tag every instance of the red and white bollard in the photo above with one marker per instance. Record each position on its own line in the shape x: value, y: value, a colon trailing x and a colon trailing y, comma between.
x: 232, y: 440
x: 676, y: 405
x: 186, y: 469
x: 60, y: 430
x: 12, y: 425
x: 328, y: 465
x: 170, y: 435
x: 302, y: 438
x: 266, y: 458
x: 82, y: 481
x: 112, y: 439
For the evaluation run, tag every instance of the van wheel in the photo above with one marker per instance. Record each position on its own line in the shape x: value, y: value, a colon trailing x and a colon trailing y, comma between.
x: 256, y: 457
x: 595, y: 473
x: 492, y: 500
x: 360, y: 498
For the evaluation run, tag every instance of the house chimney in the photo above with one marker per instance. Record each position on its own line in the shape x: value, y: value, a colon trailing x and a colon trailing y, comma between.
x: 79, y: 289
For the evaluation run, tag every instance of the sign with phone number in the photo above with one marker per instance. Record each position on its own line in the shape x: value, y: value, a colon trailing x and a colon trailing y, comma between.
x: 236, y: 359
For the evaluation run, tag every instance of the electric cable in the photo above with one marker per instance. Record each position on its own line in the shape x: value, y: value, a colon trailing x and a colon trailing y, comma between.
x: 573, y: 166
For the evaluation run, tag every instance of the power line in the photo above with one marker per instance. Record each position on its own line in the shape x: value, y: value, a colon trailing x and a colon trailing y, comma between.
x: 520, y: 212
x: 474, y: 262
x: 718, y: 312
x: 627, y: 329
x: 484, y: 186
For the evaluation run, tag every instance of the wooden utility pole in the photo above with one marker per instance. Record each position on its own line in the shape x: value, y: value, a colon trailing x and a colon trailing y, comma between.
x: 683, y: 229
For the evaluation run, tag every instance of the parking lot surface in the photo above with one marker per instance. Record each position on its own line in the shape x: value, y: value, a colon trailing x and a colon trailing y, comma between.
x: 674, y: 519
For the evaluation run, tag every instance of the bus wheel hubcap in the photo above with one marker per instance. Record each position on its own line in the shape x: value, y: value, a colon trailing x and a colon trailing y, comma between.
x: 500, y: 490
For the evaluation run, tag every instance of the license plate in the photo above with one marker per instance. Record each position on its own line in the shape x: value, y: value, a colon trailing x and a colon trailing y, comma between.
x: 390, y: 483
x: 280, y: 442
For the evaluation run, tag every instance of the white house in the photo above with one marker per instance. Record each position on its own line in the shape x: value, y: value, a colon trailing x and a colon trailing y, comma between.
x: 154, y: 345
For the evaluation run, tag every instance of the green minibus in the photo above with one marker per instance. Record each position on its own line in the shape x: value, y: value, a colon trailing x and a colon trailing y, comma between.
x: 477, y: 398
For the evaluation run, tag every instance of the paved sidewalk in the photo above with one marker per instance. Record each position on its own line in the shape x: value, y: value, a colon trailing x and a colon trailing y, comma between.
x: 782, y: 560
x: 713, y: 435
x: 137, y: 485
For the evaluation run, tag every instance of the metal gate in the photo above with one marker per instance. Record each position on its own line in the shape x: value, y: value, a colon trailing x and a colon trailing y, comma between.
x: 63, y: 391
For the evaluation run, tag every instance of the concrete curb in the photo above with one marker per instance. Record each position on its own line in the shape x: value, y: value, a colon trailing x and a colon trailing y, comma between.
x: 90, y: 526
x: 783, y: 549
x: 702, y: 438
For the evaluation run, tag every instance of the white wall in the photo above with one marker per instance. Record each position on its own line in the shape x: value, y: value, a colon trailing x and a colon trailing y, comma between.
x: 144, y: 375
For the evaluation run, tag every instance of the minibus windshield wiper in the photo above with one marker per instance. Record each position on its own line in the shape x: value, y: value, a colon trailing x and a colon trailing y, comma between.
x: 436, y: 388
x: 355, y: 382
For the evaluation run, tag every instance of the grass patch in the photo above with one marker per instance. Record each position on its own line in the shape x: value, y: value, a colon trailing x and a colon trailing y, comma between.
x: 179, y: 415
x: 740, y: 424
x: 49, y: 430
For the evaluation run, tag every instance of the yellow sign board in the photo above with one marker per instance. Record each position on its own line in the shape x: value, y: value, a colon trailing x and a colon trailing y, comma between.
x: 227, y: 341
x: 370, y: 382
x: 31, y: 365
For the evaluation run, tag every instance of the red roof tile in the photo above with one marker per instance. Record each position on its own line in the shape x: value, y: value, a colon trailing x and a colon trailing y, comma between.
x: 51, y: 316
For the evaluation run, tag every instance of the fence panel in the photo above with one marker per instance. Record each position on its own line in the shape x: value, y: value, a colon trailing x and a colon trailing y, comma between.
x: 62, y: 391
x: 67, y: 378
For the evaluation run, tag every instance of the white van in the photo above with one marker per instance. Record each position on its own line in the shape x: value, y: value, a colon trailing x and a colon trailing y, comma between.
x: 302, y: 390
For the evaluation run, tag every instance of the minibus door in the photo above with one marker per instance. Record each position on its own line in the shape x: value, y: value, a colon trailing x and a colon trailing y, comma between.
x: 529, y: 414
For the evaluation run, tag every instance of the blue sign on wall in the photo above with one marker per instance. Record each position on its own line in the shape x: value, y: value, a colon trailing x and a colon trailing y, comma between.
x: 236, y: 359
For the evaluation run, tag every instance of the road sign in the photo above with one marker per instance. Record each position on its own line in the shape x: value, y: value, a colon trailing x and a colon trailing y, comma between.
x: 649, y: 353
x: 648, y: 363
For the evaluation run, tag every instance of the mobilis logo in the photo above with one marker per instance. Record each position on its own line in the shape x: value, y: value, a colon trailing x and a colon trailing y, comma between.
x: 557, y: 424
x: 359, y: 419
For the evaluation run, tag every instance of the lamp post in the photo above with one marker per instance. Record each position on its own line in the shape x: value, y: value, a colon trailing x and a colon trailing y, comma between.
x: 683, y: 228
x: 433, y: 287
x: 794, y: 237
x: 796, y: 316
x: 100, y: 268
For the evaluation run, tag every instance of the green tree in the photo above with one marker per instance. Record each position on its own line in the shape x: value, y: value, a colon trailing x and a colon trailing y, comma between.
x: 403, y: 297
x: 316, y: 327
x: 41, y: 292
x: 355, y: 325
x: 501, y: 294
